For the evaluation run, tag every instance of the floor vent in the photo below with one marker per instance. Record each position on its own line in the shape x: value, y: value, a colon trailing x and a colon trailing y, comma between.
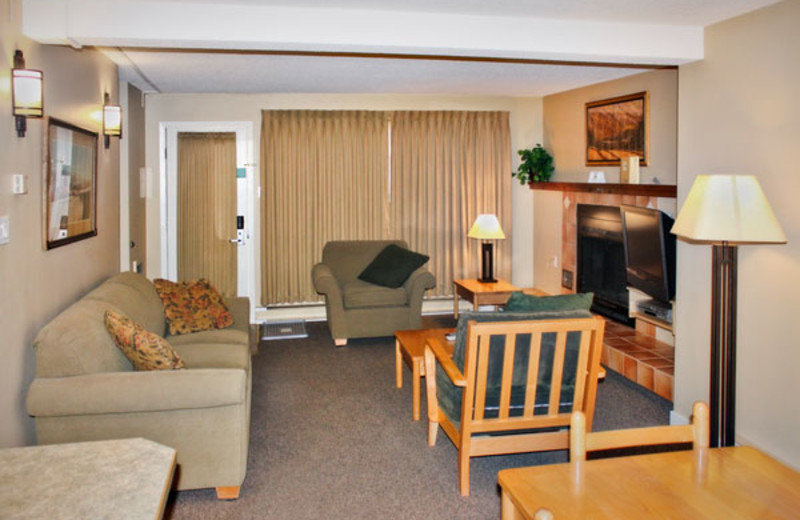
x: 283, y: 330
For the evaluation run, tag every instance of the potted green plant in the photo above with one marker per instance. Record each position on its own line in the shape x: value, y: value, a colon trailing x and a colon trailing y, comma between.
x: 536, y: 165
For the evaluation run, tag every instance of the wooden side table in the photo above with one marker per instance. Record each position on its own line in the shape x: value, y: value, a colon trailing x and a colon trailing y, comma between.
x: 478, y: 293
x: 410, y: 347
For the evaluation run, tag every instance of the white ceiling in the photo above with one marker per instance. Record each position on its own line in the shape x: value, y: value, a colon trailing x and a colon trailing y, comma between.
x: 217, y: 46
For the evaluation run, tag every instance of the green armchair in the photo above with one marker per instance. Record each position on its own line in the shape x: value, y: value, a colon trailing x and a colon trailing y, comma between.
x: 359, y: 309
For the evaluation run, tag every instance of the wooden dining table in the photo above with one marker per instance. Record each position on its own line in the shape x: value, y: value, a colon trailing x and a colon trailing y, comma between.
x: 719, y: 483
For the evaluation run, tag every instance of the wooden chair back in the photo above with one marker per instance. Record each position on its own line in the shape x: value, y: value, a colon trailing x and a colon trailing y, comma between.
x: 483, y: 413
x: 515, y: 410
x: 581, y: 442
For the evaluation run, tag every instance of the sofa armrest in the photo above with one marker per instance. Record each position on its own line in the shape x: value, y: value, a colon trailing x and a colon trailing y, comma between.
x: 239, y: 307
x: 136, y: 392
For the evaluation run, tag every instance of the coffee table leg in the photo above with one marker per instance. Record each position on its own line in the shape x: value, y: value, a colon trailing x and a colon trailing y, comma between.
x: 455, y: 302
x: 399, y: 363
x: 415, y: 390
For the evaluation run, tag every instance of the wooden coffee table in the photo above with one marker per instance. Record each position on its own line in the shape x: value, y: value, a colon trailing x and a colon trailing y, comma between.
x: 410, y: 347
x: 479, y: 293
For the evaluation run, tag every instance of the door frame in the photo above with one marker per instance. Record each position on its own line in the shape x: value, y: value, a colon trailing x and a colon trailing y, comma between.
x: 168, y: 134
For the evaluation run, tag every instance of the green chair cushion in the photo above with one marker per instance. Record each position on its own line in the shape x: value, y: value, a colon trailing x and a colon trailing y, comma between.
x: 521, y: 302
x: 392, y: 267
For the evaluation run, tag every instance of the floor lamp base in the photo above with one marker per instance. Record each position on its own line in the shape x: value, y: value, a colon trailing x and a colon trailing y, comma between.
x: 722, y: 396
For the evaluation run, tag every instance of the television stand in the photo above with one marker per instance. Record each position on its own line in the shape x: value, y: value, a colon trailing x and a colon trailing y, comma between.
x: 652, y: 320
x: 650, y: 316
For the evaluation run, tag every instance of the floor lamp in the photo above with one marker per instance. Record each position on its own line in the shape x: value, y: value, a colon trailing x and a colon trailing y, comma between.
x: 486, y: 228
x: 725, y: 211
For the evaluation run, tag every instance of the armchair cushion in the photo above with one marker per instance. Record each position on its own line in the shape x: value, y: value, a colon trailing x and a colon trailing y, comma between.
x: 392, y: 267
x: 144, y: 349
x: 360, y: 294
x: 521, y: 302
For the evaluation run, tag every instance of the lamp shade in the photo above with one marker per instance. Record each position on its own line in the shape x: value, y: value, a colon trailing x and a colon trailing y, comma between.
x: 728, y: 208
x: 486, y: 227
x: 112, y: 120
x: 27, y: 93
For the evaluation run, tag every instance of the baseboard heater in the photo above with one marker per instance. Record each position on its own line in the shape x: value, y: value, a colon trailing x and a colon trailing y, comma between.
x: 293, y: 329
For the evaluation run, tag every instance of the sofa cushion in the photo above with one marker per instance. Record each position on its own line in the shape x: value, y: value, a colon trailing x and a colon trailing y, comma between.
x: 192, y: 306
x: 134, y: 296
x: 214, y: 355
x: 76, y: 342
x: 392, y: 267
x: 360, y: 294
x: 229, y: 336
x: 521, y: 302
x: 144, y: 349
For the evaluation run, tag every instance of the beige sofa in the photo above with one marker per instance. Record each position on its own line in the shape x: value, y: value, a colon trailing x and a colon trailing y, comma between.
x: 358, y: 309
x: 85, y: 389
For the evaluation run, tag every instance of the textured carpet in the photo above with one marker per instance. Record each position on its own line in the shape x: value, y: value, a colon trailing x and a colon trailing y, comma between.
x: 332, y: 437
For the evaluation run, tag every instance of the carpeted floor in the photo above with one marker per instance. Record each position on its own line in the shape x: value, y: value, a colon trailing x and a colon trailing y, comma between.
x: 332, y: 437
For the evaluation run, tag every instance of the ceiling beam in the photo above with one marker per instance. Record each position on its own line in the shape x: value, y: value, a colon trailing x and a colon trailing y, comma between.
x: 252, y: 27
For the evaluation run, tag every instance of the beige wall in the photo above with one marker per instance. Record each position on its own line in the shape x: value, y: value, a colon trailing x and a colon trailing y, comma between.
x: 565, y: 126
x: 739, y: 114
x: 37, y: 284
x: 525, y: 122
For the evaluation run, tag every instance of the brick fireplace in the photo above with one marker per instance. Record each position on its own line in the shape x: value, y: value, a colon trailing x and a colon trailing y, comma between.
x: 635, y: 353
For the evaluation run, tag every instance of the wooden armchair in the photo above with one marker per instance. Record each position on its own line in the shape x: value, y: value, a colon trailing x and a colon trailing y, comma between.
x: 581, y: 441
x: 511, y: 386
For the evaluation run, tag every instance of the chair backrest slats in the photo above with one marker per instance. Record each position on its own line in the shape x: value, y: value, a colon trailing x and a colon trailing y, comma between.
x: 484, y: 349
x: 558, y: 373
x: 507, y: 399
x: 508, y: 375
x: 583, y: 367
x: 532, y: 382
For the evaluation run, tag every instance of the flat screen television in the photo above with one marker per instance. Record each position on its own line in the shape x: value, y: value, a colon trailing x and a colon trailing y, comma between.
x: 649, y: 251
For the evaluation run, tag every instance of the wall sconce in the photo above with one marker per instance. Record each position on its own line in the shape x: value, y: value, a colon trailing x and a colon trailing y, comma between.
x: 27, y: 93
x: 112, y: 120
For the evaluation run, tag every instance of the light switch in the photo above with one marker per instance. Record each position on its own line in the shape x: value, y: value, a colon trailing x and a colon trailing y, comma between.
x: 19, y: 184
x: 4, y: 230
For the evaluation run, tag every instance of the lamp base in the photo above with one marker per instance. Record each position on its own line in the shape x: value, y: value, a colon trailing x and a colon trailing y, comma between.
x: 487, y: 263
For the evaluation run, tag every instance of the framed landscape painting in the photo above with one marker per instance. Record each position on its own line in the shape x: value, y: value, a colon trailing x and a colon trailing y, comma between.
x: 617, y: 128
x: 71, y: 187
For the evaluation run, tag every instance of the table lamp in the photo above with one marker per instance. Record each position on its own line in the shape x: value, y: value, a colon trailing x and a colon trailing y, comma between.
x: 725, y: 211
x: 486, y: 228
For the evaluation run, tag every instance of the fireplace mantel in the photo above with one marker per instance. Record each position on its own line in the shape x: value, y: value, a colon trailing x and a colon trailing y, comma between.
x: 647, y: 190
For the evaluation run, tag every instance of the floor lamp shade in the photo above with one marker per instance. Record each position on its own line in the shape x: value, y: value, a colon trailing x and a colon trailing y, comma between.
x: 725, y: 211
x: 486, y: 228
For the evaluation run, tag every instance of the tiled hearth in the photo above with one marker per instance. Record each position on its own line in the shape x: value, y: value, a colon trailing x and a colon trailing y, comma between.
x: 639, y: 357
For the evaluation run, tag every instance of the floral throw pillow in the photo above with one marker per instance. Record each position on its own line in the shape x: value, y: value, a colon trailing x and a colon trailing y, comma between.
x: 144, y: 349
x: 192, y: 306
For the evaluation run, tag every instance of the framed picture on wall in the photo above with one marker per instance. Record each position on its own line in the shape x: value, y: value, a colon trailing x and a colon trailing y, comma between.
x: 70, y: 197
x: 617, y: 128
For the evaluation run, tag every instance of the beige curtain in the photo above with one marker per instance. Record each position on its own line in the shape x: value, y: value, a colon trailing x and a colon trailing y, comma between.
x: 207, y: 208
x: 447, y: 168
x: 324, y: 177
